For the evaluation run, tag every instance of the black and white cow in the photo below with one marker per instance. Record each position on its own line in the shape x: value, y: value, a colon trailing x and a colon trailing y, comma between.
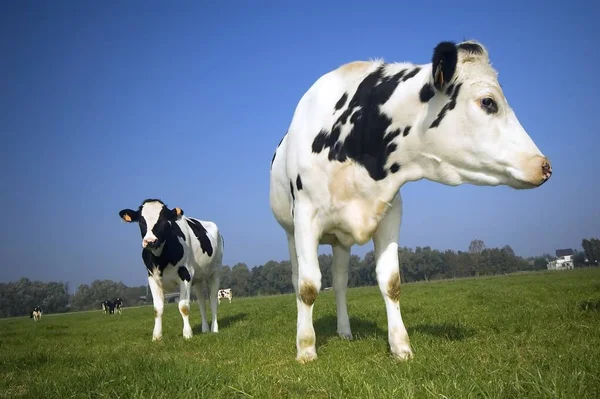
x: 179, y: 250
x: 108, y: 307
x: 225, y: 294
x: 358, y: 135
x: 36, y: 313
x: 118, y: 305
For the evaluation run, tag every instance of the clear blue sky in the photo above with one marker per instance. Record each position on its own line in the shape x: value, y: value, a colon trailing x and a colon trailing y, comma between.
x: 105, y: 105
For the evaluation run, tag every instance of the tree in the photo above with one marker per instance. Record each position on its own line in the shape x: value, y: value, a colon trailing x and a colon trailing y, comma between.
x: 476, y: 246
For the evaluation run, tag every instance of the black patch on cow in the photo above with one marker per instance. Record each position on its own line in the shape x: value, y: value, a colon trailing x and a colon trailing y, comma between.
x: 341, y: 102
x: 395, y: 167
x: 201, y: 234
x: 184, y: 274
x: 292, y: 190
x: 171, y: 253
x: 367, y: 143
x: 448, y: 107
x: 426, y: 93
x: 406, y: 131
x: 299, y: 183
x: 445, y: 56
x: 411, y: 74
x: 472, y: 48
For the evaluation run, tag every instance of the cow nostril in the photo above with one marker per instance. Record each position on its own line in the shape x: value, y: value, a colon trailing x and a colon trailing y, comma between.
x: 547, y: 170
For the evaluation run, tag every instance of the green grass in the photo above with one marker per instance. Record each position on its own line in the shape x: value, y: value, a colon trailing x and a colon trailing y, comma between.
x: 518, y: 336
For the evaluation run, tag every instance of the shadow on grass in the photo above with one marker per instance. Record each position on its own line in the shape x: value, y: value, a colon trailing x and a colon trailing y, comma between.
x: 224, y: 322
x: 326, y: 328
x: 447, y: 331
x: 590, y: 305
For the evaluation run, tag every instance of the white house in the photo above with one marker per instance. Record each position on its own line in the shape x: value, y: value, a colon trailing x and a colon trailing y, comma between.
x: 563, y: 261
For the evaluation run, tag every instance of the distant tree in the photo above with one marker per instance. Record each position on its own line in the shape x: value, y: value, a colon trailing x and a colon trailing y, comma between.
x: 476, y: 246
x: 225, y: 276
x: 240, y: 279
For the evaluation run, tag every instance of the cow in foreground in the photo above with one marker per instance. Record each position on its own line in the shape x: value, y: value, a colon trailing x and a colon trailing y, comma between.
x: 224, y: 294
x: 178, y: 250
x: 358, y: 135
x: 36, y: 313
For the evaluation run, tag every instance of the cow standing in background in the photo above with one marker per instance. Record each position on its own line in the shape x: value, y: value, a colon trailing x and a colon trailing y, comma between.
x: 108, y: 307
x: 36, y: 313
x: 225, y: 293
x: 357, y: 136
x: 118, y: 305
x: 178, y: 250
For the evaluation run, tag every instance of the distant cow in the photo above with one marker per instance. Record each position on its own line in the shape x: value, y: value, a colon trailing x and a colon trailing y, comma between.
x: 118, y: 305
x: 225, y: 293
x: 361, y: 132
x: 36, y: 313
x: 178, y: 250
x: 108, y: 307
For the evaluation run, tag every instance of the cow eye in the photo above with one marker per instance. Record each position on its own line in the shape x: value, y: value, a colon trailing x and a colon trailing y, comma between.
x: 489, y: 105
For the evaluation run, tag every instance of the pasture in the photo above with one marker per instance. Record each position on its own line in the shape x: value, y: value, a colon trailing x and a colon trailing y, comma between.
x: 516, y: 336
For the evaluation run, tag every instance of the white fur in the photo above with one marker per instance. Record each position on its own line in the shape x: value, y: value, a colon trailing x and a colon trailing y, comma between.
x: 341, y: 205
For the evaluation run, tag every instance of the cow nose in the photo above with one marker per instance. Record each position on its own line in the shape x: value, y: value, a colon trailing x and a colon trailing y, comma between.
x: 546, y: 171
x: 148, y: 242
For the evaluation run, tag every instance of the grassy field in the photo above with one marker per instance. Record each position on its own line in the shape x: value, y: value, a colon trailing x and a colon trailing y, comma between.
x: 518, y: 336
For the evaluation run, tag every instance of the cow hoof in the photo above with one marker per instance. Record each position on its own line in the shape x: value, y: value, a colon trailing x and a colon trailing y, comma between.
x: 347, y: 336
x: 187, y: 334
x: 306, y: 357
x: 402, y: 353
x: 156, y: 337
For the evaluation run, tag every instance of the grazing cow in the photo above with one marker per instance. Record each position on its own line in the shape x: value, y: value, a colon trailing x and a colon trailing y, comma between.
x: 225, y: 293
x: 36, y: 313
x: 358, y: 135
x: 118, y: 305
x: 178, y: 250
x: 108, y: 307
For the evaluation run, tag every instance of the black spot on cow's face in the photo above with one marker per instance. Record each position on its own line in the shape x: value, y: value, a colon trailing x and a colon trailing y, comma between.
x: 449, y: 105
x: 184, y: 274
x: 341, y: 102
x: 299, y: 183
x: 201, y: 234
x: 470, y: 47
x: 368, y: 143
x: 426, y: 93
x: 406, y: 131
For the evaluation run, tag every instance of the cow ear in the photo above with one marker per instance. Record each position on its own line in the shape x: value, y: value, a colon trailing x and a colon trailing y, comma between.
x: 129, y: 215
x: 176, y: 213
x: 445, y: 56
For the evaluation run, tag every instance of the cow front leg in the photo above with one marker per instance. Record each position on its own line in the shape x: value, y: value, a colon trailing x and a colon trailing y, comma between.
x: 385, y: 241
x: 198, y: 289
x: 309, y: 280
x: 159, y: 304
x: 185, y: 286
x: 339, y: 271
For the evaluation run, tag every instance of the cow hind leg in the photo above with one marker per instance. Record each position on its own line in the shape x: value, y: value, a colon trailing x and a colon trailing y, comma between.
x: 199, y: 290
x: 214, y: 302
x: 309, y: 279
x: 385, y: 241
x: 339, y: 270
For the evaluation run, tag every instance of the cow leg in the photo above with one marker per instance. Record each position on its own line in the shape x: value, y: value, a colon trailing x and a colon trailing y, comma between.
x: 309, y: 279
x: 200, y: 295
x: 385, y: 241
x: 185, y: 287
x: 215, y: 281
x: 159, y: 304
x: 339, y: 269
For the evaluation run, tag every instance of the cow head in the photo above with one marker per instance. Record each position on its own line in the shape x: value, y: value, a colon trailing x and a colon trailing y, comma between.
x: 153, y: 217
x: 471, y: 134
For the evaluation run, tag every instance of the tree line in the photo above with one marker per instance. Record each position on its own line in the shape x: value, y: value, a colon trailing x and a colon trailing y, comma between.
x: 420, y: 264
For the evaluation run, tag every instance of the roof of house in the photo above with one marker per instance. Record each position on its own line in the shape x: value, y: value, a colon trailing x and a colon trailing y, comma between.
x: 564, y: 252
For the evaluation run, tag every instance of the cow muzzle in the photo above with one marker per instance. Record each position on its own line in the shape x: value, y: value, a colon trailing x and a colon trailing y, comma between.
x: 536, y: 171
x: 150, y: 243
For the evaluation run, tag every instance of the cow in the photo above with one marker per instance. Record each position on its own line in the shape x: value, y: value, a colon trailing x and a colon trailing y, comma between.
x: 108, y: 307
x: 118, y: 305
x: 178, y: 250
x: 362, y: 131
x: 225, y: 293
x: 36, y: 313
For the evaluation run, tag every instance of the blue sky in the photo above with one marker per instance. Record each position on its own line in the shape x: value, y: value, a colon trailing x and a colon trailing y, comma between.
x: 104, y: 105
